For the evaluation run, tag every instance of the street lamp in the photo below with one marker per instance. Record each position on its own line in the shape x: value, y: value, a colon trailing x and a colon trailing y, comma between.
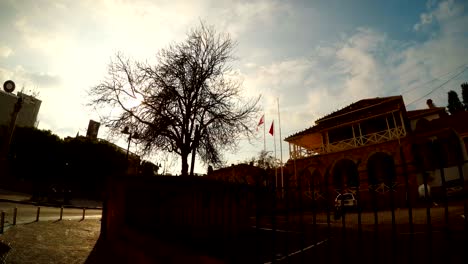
x: 9, y: 87
x: 131, y: 135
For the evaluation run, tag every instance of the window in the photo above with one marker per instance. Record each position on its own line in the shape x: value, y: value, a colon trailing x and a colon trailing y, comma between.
x: 340, y: 134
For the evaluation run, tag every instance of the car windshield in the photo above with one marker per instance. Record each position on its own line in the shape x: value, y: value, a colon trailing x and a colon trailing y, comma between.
x: 347, y: 196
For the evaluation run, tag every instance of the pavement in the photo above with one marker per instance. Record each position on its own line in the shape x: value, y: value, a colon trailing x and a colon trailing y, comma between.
x: 71, y: 241
x: 49, y: 241
x: 75, y: 241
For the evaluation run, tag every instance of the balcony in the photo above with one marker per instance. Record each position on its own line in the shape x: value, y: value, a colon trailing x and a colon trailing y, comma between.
x: 358, y: 141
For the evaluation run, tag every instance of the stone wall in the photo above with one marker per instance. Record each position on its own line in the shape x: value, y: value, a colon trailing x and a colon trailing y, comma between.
x: 323, y: 166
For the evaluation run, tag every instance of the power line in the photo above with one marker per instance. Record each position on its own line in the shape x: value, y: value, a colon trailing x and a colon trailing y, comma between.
x: 438, y: 87
x: 435, y: 79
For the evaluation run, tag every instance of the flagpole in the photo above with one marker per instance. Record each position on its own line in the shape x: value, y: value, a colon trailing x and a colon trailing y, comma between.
x: 274, y: 145
x: 281, y: 145
x: 262, y: 122
x: 264, y: 133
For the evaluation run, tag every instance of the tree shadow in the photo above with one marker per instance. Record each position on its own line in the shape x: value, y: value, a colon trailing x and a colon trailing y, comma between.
x: 4, y: 249
x: 101, y: 253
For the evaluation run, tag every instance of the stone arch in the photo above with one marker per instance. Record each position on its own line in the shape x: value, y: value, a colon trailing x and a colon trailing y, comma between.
x: 314, y: 184
x: 345, y: 175
x: 381, y: 169
x: 450, y: 148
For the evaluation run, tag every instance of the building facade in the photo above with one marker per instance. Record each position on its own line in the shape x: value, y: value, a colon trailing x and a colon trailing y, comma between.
x: 27, y: 116
x: 378, y: 151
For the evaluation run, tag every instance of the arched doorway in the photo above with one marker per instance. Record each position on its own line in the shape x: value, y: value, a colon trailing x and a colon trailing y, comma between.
x: 382, y: 181
x: 381, y: 172
x: 313, y: 185
x: 345, y: 176
x: 448, y: 150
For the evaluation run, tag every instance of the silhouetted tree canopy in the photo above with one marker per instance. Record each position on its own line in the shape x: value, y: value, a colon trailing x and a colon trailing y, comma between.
x: 264, y: 160
x: 464, y: 87
x: 91, y: 159
x: 454, y: 104
x: 36, y: 154
x: 147, y: 168
x: 187, y: 100
x: 44, y: 159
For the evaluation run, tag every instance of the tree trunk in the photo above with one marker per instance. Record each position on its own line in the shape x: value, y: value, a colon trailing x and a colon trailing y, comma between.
x: 184, y: 157
x: 194, y: 150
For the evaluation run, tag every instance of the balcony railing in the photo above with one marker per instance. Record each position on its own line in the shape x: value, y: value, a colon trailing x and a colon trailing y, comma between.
x: 359, y: 141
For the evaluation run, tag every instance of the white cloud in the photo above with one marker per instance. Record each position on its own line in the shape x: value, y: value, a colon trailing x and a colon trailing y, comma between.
x: 333, y: 76
x: 5, y: 51
x: 365, y: 64
x: 30, y: 80
x: 66, y: 46
x: 250, y: 15
x: 443, y: 14
x: 425, y: 19
x: 50, y: 41
x: 448, y: 9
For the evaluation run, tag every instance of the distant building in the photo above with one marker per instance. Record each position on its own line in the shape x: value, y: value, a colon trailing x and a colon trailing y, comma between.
x: 93, y: 129
x: 27, y: 116
x: 241, y: 173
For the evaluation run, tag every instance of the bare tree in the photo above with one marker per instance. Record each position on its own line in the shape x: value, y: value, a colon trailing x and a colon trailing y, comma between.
x: 187, y: 102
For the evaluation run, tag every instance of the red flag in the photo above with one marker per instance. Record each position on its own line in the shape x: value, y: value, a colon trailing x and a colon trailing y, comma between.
x: 262, y: 120
x: 271, y: 128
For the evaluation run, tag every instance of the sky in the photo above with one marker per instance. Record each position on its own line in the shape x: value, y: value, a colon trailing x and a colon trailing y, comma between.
x: 313, y: 57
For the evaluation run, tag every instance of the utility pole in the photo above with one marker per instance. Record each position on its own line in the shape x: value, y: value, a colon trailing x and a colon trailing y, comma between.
x: 11, y: 127
x: 131, y: 135
x: 9, y: 87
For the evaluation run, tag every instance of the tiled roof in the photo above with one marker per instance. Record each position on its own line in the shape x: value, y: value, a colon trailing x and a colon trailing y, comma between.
x: 351, y: 110
x: 357, y: 106
x: 424, y: 112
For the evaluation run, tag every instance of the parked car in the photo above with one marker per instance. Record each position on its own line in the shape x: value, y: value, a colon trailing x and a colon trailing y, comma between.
x: 454, y: 188
x: 59, y: 193
x: 345, y: 200
x: 343, y: 203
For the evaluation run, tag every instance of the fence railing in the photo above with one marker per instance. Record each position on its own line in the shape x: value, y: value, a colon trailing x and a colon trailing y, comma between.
x: 304, y: 229
x: 368, y: 139
x: 17, y: 216
x: 257, y: 224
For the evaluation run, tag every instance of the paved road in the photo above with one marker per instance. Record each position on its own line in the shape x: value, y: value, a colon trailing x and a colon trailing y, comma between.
x: 27, y: 213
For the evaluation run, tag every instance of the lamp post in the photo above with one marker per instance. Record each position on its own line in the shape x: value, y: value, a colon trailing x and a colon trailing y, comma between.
x: 131, y: 135
x: 9, y: 87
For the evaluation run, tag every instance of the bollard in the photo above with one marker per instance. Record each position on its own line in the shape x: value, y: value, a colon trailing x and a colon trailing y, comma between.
x: 61, y: 213
x: 37, y: 214
x: 2, y: 222
x: 15, y: 212
x: 84, y: 212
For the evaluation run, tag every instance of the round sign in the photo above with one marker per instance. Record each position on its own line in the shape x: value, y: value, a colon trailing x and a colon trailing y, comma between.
x: 9, y: 86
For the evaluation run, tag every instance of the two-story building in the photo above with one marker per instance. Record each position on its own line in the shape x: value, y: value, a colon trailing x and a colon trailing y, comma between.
x: 377, y: 150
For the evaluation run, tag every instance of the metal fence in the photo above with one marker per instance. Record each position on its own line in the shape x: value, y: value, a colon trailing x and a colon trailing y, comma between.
x: 241, y: 223
x: 341, y: 228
